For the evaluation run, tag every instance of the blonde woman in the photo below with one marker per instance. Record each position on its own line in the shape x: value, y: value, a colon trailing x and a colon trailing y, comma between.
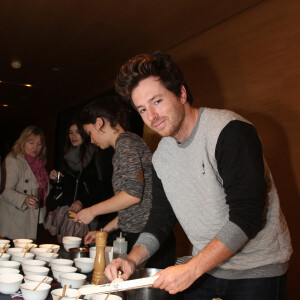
x: 25, y: 186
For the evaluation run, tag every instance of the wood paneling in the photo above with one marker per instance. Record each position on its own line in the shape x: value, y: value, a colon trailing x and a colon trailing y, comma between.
x: 251, y: 64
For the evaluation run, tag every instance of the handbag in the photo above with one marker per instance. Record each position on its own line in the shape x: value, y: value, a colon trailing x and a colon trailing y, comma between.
x: 59, y: 224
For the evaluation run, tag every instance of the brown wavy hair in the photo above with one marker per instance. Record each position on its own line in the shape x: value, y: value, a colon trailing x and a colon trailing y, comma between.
x: 155, y: 64
x: 24, y: 136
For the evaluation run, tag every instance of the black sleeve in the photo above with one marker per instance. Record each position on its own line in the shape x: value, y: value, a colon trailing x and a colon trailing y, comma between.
x: 240, y: 163
x: 162, y: 218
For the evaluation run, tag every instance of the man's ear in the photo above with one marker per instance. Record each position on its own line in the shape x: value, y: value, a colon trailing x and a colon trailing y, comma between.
x: 99, y: 123
x: 183, y: 95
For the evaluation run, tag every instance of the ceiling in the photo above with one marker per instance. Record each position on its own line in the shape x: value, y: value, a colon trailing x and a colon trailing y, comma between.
x: 69, y: 48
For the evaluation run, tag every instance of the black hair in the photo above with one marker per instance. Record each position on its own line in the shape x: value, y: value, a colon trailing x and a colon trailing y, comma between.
x: 112, y: 108
x: 85, y: 140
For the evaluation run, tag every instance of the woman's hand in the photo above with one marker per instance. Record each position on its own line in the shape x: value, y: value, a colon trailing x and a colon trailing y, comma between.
x: 85, y: 216
x: 112, y: 225
x: 31, y: 202
x: 76, y: 206
x: 90, y: 237
x: 53, y: 174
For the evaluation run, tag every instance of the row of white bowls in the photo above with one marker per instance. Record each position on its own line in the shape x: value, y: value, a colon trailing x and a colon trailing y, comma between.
x: 68, y: 242
x: 36, y: 270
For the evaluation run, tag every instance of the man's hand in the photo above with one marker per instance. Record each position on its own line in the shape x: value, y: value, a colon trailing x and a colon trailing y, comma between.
x: 90, y: 237
x: 127, y: 267
x: 175, y: 279
x: 85, y: 216
x: 76, y: 206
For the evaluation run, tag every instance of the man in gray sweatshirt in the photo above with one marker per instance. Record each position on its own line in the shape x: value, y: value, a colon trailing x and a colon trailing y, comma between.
x: 209, y: 173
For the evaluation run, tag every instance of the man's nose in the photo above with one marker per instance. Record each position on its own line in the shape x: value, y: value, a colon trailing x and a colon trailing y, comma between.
x: 151, y: 114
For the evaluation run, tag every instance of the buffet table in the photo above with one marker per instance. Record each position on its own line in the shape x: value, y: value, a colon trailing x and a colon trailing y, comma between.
x: 144, y: 293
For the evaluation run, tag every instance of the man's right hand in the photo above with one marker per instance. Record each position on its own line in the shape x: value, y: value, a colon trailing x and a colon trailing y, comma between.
x: 127, y: 267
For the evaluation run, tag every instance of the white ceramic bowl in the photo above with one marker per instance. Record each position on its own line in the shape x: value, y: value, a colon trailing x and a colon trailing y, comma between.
x: 84, y: 264
x: 38, y: 250
x: 19, y: 256
x: 71, y: 239
x: 2, y: 241
x: 72, y: 280
x: 9, y: 270
x: 33, y: 263
x: 56, y: 271
x: 50, y: 247
x: 3, y: 244
x: 10, y: 283
x: 14, y: 250
x: 61, y: 262
x: 70, y: 293
x: 22, y: 245
x: 46, y: 256
x: 40, y: 293
x: 33, y: 270
x: 92, y: 252
x: 103, y: 297
x: 67, y: 247
x: 71, y: 242
x: 37, y: 278
x: 108, y: 253
x: 10, y: 264
x: 5, y: 256
x: 22, y: 241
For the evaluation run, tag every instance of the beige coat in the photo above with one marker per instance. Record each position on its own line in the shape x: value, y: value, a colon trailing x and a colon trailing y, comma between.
x: 16, y: 219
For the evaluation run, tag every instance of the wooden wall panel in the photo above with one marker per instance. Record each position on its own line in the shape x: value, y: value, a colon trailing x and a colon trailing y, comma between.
x: 251, y: 64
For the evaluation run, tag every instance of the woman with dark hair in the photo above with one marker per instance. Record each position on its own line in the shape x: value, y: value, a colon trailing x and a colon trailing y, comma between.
x: 81, y: 172
x: 106, y: 121
x: 25, y: 186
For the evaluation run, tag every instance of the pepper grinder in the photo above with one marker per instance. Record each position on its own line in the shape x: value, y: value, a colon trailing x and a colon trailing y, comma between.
x: 99, y: 264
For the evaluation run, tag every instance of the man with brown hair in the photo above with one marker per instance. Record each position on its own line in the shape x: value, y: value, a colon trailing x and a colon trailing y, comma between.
x: 210, y: 173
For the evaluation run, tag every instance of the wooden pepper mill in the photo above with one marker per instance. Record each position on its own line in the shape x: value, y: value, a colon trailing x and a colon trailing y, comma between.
x: 99, y: 264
